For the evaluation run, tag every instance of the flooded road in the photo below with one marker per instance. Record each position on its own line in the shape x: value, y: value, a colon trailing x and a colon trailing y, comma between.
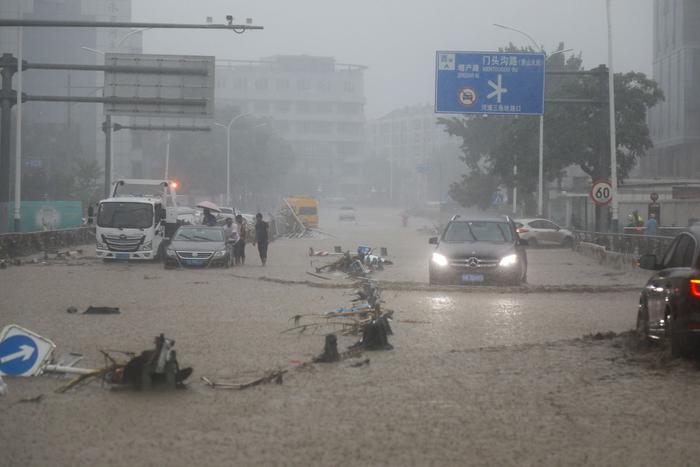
x: 484, y: 376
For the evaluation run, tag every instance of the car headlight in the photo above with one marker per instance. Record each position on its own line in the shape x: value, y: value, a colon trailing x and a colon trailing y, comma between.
x: 101, y: 246
x: 439, y: 259
x: 170, y: 252
x: 509, y: 260
x: 147, y: 246
x: 219, y: 253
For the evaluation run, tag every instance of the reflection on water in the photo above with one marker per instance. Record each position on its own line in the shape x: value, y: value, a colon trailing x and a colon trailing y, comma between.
x: 441, y: 308
x: 441, y: 303
x: 507, y: 306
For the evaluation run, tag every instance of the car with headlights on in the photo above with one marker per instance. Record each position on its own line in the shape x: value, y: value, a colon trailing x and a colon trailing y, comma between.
x: 543, y: 232
x: 669, y: 304
x: 198, y: 246
x: 478, y: 251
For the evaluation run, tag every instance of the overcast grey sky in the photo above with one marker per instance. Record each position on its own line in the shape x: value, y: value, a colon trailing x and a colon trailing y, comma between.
x: 397, y: 39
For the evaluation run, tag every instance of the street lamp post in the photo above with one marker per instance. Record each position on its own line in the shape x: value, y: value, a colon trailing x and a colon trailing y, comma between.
x: 613, y: 137
x: 540, y: 189
x: 228, y: 154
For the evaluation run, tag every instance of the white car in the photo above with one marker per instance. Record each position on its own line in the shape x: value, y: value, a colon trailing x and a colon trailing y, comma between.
x: 543, y: 232
x: 347, y: 213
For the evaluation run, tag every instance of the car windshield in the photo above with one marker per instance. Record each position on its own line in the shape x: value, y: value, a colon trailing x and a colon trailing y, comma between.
x: 478, y: 231
x: 125, y: 215
x: 200, y: 235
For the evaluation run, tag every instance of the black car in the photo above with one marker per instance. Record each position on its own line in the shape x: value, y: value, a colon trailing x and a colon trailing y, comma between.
x: 478, y: 251
x: 669, y: 305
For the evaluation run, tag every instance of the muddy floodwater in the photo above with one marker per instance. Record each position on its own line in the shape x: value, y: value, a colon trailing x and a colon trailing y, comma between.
x: 546, y: 374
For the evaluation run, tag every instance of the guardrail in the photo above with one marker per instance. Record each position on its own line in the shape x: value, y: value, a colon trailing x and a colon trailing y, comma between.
x: 629, y: 244
x: 13, y: 245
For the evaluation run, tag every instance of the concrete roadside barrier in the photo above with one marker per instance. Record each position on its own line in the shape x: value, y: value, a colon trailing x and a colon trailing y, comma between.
x: 14, y: 245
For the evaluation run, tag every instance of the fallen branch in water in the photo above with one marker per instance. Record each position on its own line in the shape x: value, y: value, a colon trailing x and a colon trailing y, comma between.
x: 271, y: 376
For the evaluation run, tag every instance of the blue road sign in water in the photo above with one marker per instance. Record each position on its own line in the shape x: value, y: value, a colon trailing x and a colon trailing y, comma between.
x: 18, y: 354
x: 493, y: 83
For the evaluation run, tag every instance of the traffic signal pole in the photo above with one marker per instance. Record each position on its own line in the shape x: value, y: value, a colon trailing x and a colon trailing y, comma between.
x: 7, y: 100
x: 8, y: 97
x: 107, y: 128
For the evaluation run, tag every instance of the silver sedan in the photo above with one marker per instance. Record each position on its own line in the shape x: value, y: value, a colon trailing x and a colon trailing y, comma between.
x: 543, y: 232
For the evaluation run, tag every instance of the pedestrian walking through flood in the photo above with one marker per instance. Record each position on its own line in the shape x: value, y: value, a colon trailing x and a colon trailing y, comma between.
x: 261, y: 237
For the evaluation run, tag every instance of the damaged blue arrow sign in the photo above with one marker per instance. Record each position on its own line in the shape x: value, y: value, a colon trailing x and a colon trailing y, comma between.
x: 23, y: 352
x: 18, y: 355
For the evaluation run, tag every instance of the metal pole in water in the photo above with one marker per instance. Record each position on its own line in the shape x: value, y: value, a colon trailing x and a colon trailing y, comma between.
x: 18, y: 139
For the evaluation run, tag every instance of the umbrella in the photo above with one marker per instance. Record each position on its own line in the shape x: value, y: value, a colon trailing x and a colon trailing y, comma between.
x: 209, y: 205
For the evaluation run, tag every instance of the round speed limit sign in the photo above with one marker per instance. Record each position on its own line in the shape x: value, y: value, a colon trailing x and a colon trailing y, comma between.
x: 601, y: 192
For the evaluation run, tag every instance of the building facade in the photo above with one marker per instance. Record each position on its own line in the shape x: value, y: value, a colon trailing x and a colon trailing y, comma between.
x: 56, y: 133
x: 420, y: 159
x: 675, y: 123
x: 314, y: 103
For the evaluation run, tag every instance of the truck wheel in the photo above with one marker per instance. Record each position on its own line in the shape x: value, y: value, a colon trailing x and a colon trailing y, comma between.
x: 160, y: 254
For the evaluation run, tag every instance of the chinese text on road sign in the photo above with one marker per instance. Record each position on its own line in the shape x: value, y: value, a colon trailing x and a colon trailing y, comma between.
x: 489, y: 83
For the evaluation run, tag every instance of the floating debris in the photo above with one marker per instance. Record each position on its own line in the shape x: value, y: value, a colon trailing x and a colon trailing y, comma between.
x: 275, y: 376
x: 101, y: 310
x: 330, y: 350
x: 360, y: 363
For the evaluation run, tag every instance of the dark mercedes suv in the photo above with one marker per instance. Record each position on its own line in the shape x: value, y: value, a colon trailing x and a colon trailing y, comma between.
x: 669, y: 305
x: 478, y: 251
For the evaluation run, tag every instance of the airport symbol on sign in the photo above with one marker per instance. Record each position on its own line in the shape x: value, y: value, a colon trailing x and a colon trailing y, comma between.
x: 498, y: 89
x: 23, y: 352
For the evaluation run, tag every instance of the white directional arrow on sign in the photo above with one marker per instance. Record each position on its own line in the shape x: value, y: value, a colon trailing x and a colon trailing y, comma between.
x: 25, y: 353
x: 498, y: 89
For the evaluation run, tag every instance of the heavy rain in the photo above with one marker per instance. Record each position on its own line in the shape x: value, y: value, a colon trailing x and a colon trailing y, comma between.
x: 365, y: 233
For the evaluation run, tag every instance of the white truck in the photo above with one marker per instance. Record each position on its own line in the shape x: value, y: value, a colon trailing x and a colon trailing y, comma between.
x: 137, y: 221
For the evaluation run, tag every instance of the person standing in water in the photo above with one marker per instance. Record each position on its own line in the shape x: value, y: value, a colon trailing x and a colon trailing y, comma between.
x: 261, y: 237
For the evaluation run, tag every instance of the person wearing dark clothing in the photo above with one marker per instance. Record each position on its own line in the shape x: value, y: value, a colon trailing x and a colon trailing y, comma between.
x: 209, y: 218
x: 261, y: 237
x: 239, y: 248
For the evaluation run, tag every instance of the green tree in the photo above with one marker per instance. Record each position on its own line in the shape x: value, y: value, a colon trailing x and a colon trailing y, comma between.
x: 86, y: 183
x: 475, y: 189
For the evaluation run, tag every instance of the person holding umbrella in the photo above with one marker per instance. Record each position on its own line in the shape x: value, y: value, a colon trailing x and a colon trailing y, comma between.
x: 208, y: 218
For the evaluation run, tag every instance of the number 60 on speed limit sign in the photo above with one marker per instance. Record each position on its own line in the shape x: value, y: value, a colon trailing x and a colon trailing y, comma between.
x: 601, y: 192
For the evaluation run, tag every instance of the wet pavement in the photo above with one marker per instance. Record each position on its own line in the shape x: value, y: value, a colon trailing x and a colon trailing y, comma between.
x: 489, y: 377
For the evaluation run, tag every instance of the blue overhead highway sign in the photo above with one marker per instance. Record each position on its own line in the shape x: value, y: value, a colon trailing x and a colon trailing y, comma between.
x: 495, y: 83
